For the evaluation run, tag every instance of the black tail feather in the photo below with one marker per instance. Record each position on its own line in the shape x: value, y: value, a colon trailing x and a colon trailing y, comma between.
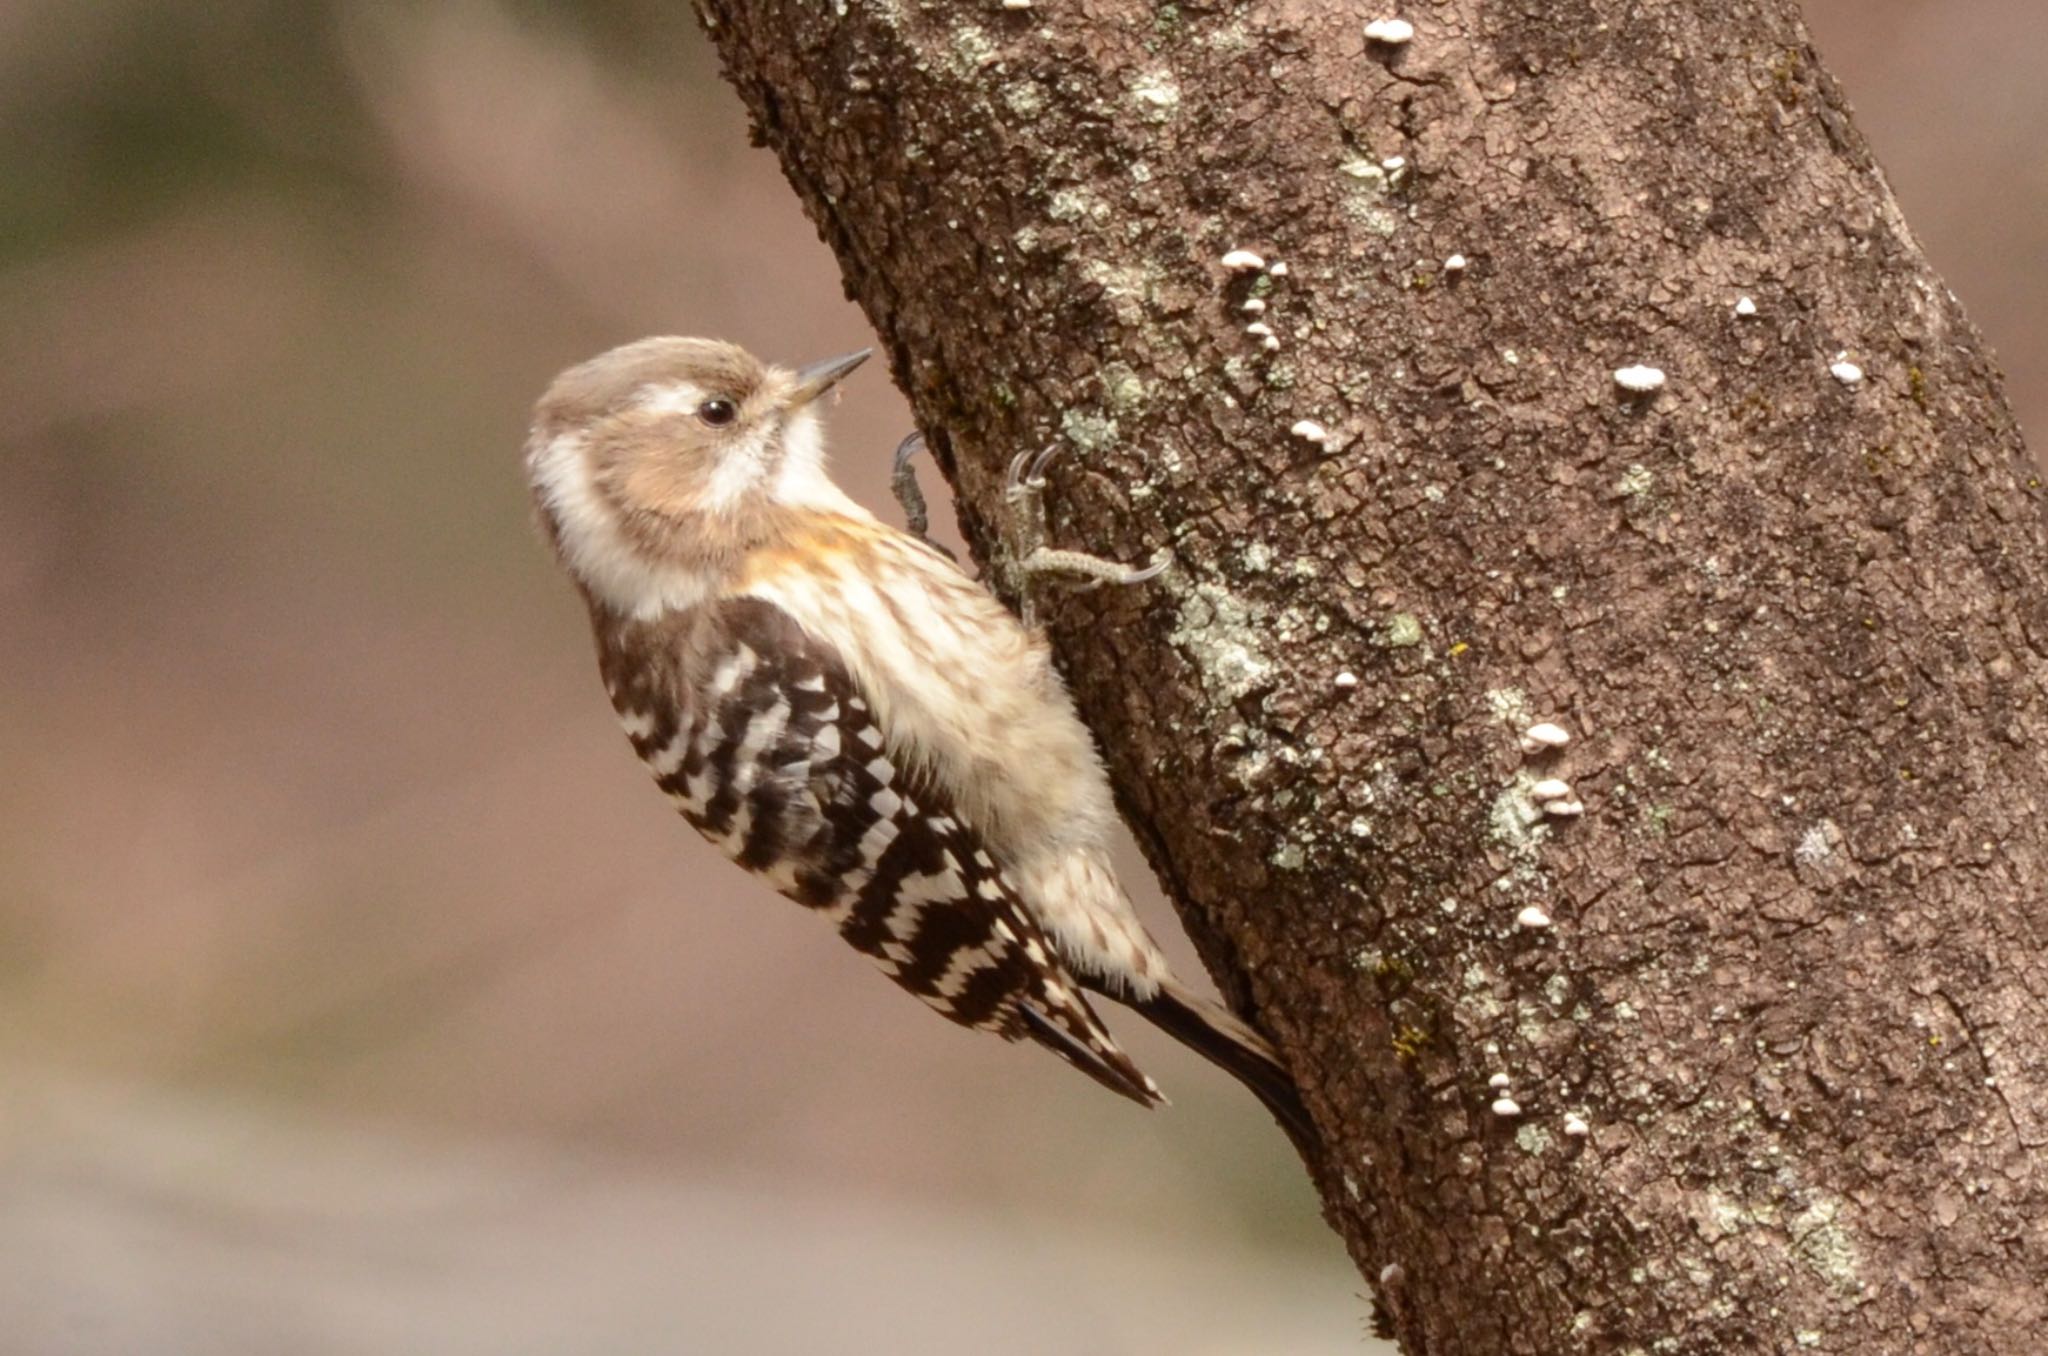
x: 1223, y: 1040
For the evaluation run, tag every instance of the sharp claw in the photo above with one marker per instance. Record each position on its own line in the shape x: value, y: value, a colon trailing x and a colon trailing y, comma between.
x: 1035, y: 477
x: 907, y: 449
x: 903, y: 483
x: 1013, y: 480
x: 1159, y: 565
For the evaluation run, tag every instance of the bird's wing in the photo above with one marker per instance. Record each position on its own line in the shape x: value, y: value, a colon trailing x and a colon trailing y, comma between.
x: 774, y: 753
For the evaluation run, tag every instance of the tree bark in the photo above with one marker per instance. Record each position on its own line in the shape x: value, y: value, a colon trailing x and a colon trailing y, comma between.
x: 1777, y: 1055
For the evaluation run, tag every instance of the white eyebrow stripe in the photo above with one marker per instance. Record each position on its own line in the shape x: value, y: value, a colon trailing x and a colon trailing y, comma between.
x: 670, y: 397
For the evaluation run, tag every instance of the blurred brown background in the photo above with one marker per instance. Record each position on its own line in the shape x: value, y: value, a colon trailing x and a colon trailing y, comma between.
x: 356, y: 992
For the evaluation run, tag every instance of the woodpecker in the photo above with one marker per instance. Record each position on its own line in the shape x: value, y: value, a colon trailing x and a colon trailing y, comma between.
x: 843, y: 712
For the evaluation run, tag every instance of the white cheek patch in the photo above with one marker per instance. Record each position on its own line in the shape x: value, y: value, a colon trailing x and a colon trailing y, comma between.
x: 558, y: 472
x: 593, y: 547
x: 741, y: 467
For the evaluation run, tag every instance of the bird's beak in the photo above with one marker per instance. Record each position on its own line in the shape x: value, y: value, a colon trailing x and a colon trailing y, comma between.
x: 818, y: 378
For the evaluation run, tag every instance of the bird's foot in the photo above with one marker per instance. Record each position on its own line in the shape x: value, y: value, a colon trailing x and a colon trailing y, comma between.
x: 1024, y: 492
x: 917, y: 519
x: 1036, y: 563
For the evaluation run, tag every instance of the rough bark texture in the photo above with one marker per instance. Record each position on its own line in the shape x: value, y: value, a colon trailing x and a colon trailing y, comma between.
x: 1796, y: 978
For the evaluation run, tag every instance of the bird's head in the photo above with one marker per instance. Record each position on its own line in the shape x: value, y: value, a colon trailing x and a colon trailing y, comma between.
x: 656, y: 465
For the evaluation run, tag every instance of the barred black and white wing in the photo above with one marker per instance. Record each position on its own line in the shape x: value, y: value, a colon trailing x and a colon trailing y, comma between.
x: 763, y: 738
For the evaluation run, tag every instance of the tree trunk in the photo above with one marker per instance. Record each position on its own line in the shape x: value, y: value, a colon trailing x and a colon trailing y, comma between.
x: 1770, y: 1012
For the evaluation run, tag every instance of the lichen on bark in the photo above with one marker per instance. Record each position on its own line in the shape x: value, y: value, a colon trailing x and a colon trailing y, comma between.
x: 1772, y: 1055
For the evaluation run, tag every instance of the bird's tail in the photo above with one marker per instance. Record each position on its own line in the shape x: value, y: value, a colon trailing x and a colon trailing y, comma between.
x: 1213, y: 1032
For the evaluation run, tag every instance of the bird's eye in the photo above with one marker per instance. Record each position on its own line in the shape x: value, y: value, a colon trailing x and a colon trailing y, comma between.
x: 717, y: 413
